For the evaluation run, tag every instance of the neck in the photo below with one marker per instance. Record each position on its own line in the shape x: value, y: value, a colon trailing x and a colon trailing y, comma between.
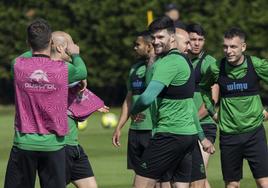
x: 151, y: 60
x: 43, y: 52
x: 192, y: 56
x: 55, y: 57
x: 173, y: 45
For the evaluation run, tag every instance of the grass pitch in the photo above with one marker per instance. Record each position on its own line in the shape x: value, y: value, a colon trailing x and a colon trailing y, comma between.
x: 108, y: 162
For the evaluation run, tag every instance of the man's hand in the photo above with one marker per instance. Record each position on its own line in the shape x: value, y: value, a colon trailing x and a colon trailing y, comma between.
x: 104, y: 109
x: 265, y: 114
x: 137, y: 118
x: 116, y: 138
x: 83, y: 85
x: 72, y: 49
x: 207, y: 146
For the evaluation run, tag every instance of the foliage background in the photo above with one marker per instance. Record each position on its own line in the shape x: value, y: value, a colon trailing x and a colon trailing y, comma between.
x: 105, y: 30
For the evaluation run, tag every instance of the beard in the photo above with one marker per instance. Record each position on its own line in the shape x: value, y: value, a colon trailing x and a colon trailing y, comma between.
x: 161, y: 48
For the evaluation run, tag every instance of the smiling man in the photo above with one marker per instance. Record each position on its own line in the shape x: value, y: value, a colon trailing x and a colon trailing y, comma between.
x: 175, y: 127
x: 242, y: 135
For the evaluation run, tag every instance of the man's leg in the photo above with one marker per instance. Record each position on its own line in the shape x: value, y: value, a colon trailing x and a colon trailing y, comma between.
x: 210, y: 131
x: 86, y: 183
x: 256, y: 152
x: 78, y: 168
x: 191, y: 160
x: 232, y: 184
x: 51, y: 169
x: 231, y: 147
x: 181, y: 185
x: 198, y: 173
x: 262, y: 182
x: 143, y: 182
x: 21, y: 169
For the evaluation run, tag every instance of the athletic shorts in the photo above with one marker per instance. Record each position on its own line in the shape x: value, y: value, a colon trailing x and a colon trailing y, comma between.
x: 198, y: 167
x: 77, y: 164
x: 23, y: 165
x: 138, y: 140
x: 170, y: 154
x: 251, y: 146
x: 210, y: 131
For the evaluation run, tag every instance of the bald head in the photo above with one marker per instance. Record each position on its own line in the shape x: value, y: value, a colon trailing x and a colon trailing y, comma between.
x: 183, y: 41
x: 60, y: 42
x: 61, y: 38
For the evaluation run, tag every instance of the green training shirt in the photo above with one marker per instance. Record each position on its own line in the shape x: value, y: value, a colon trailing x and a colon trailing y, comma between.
x: 177, y: 116
x: 138, y: 71
x: 49, y: 142
x: 198, y: 100
x: 236, y: 114
x: 72, y: 137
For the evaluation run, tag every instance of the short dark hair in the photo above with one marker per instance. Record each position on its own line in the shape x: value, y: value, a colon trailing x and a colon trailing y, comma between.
x: 235, y: 32
x: 146, y: 35
x: 39, y: 34
x: 162, y: 23
x: 196, y: 28
x: 171, y: 6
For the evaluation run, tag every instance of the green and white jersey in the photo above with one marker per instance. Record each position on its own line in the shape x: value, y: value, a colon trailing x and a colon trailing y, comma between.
x: 136, y: 85
x: 198, y: 100
x: 237, y: 114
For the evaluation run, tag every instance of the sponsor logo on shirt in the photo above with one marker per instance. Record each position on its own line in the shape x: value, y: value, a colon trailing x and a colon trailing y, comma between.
x: 237, y: 86
x: 137, y: 84
x: 39, y: 80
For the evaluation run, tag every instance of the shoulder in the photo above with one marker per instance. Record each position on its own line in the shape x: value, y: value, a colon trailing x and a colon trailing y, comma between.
x: 138, y: 64
x: 26, y: 54
x: 255, y: 59
x: 257, y: 62
x: 175, y: 59
x: 210, y: 58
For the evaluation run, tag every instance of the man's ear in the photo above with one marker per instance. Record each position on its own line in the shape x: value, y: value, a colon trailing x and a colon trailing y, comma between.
x: 173, y: 38
x: 149, y: 47
x: 59, y: 48
x: 244, y: 46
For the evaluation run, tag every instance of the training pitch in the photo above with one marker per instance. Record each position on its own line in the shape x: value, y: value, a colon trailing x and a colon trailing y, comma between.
x: 108, y: 163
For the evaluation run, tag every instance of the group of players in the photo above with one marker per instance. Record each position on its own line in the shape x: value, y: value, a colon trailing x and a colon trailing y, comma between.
x: 170, y: 101
x: 176, y: 94
x: 50, y: 84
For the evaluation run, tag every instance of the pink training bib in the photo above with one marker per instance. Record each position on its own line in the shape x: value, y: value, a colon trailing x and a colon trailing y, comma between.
x: 41, y: 90
x: 82, y: 105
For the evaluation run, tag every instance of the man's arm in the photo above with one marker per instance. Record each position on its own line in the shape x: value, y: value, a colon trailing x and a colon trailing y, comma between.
x: 122, y: 119
x: 77, y: 70
x: 207, y: 81
x: 261, y: 68
x: 206, y: 144
x: 147, y: 97
x: 203, y: 112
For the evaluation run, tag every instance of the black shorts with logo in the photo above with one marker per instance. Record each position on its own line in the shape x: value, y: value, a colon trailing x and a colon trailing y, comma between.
x: 138, y: 140
x: 170, y: 154
x: 251, y: 146
x: 77, y: 164
x: 198, y: 167
x: 23, y: 165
